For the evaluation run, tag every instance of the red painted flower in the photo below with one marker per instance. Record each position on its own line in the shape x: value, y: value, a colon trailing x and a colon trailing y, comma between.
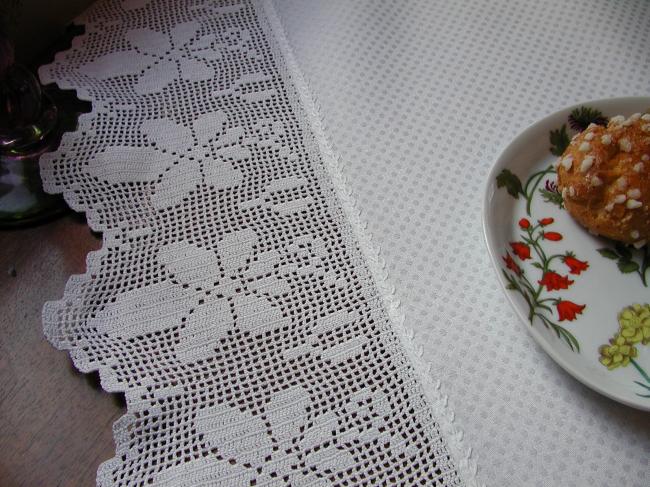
x: 568, y: 310
x: 554, y: 236
x: 553, y: 281
x: 511, y: 264
x: 521, y: 249
x: 523, y: 223
x: 576, y: 266
x: 546, y: 221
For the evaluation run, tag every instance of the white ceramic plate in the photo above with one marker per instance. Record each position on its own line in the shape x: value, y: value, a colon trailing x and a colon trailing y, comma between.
x: 575, y: 310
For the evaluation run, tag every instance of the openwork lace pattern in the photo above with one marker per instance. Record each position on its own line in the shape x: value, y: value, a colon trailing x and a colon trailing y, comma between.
x: 231, y: 301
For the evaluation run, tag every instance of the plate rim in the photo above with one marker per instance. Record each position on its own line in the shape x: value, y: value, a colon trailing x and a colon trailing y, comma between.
x: 498, y: 164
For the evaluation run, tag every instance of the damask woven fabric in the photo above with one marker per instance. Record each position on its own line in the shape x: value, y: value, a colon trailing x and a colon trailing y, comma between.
x: 235, y: 300
x: 419, y: 98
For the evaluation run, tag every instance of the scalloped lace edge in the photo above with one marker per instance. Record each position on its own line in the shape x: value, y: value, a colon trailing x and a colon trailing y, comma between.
x: 52, y: 330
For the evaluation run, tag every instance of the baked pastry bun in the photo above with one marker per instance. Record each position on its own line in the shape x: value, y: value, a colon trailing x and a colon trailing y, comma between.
x: 604, y: 177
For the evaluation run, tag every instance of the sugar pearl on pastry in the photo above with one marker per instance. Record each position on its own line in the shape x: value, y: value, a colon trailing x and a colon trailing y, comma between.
x: 633, y: 204
x: 586, y: 163
x: 625, y: 145
x: 567, y: 162
x: 634, y: 193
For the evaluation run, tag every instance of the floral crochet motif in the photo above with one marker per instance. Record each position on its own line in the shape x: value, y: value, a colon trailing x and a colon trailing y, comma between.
x: 160, y: 58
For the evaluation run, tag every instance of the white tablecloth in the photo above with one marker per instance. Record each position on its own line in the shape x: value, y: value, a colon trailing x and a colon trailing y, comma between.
x: 419, y: 98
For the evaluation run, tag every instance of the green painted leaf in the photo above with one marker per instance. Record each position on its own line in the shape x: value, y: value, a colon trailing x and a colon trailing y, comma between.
x: 559, y: 140
x: 627, y: 266
x: 538, y: 265
x: 511, y: 182
x: 608, y: 253
x: 573, y: 342
x: 552, y: 197
x: 510, y: 280
x: 623, y: 251
x: 568, y: 337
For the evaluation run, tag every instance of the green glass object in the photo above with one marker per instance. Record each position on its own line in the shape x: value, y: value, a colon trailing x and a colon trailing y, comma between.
x: 28, y: 128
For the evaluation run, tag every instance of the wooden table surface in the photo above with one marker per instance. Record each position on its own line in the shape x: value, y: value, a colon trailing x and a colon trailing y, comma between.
x: 55, y: 423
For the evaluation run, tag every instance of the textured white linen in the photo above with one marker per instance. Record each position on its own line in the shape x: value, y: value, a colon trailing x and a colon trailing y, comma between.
x: 236, y: 300
x: 419, y: 98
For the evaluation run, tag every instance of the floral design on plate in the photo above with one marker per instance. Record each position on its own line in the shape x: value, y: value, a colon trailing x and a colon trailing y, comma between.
x: 633, y: 331
x: 534, y: 239
x: 564, y: 283
x: 629, y: 260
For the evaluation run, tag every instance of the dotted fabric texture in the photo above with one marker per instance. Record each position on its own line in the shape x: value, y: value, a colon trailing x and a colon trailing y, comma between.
x: 419, y: 98
x: 231, y: 301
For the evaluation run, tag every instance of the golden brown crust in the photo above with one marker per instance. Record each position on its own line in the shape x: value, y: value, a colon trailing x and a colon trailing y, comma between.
x: 604, y: 176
